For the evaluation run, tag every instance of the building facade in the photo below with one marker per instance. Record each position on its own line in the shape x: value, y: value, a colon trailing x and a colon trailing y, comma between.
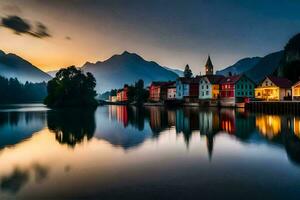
x: 161, y: 91
x: 274, y: 89
x: 209, y: 86
x: 187, y: 89
x: 296, y: 91
x: 209, y: 68
x: 236, y: 89
x: 122, y: 94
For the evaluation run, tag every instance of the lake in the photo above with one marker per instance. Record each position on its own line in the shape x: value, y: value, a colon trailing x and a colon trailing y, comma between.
x: 118, y: 152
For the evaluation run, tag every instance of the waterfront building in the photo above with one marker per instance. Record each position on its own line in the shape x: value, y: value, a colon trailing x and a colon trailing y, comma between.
x: 274, y: 89
x: 296, y: 91
x: 171, y: 91
x: 113, y: 98
x: 187, y: 89
x: 122, y: 94
x: 236, y: 89
x: 209, y: 68
x: 209, y: 86
x: 161, y: 91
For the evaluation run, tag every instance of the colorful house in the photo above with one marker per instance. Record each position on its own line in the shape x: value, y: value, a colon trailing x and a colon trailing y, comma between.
x: 160, y: 91
x: 296, y: 91
x: 274, y: 89
x: 236, y: 89
x: 113, y: 98
x: 171, y: 91
x: 187, y: 88
x: 209, y: 86
x: 122, y: 94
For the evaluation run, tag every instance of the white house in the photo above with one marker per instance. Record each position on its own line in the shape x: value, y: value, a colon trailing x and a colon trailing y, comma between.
x: 209, y: 86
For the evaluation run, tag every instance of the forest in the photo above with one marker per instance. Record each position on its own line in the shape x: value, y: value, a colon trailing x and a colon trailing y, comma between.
x: 13, y: 91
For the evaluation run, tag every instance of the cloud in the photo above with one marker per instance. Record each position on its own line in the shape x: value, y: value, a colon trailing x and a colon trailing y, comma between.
x: 22, y: 26
x: 11, y: 8
x: 17, y: 24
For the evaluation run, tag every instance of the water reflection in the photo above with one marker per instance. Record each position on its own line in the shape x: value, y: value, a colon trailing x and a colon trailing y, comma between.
x: 148, y: 146
x: 72, y: 126
x: 17, y: 126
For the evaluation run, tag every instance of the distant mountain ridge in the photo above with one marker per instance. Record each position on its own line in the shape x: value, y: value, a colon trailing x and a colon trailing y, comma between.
x: 255, y: 68
x: 13, y: 66
x: 126, y: 68
x: 240, y: 66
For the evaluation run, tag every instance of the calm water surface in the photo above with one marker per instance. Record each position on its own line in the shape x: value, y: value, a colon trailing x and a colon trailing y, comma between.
x: 119, y: 152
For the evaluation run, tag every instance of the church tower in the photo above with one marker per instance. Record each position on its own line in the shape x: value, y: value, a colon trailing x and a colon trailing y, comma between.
x: 209, y: 68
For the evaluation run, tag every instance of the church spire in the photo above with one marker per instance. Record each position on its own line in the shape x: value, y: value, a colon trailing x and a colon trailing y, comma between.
x: 209, y: 68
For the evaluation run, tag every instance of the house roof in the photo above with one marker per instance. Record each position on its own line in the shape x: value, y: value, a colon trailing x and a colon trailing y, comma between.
x: 297, y: 83
x: 189, y: 80
x: 214, y: 79
x: 162, y: 83
x: 280, y: 82
x: 208, y: 62
x: 230, y: 79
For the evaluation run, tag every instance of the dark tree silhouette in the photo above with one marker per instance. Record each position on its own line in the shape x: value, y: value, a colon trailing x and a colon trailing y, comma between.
x: 187, y: 72
x: 290, y: 63
x: 70, y: 88
x: 12, y: 91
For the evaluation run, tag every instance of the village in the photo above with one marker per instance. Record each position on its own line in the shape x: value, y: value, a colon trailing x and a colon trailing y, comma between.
x: 215, y: 90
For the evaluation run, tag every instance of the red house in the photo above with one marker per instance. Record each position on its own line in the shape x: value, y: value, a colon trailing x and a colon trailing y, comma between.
x: 122, y: 95
x: 158, y: 91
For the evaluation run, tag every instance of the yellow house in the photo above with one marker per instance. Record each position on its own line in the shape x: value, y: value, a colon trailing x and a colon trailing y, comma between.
x: 296, y: 91
x: 273, y: 89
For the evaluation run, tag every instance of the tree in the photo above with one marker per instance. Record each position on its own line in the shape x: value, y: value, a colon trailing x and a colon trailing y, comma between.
x: 71, y: 87
x: 187, y: 72
x: 290, y: 62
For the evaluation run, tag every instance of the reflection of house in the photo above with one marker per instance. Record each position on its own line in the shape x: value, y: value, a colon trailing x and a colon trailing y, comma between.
x: 187, y: 88
x: 209, y: 86
x: 227, y: 121
x: 235, y: 89
x: 296, y: 126
x: 122, y: 115
x: 273, y: 88
x: 296, y: 91
x: 122, y: 94
x: 269, y: 125
x: 160, y: 91
x: 208, y: 123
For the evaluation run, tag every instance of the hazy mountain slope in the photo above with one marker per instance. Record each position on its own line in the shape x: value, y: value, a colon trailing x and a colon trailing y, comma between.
x: 266, y: 66
x: 13, y: 66
x: 126, y: 68
x: 240, y: 66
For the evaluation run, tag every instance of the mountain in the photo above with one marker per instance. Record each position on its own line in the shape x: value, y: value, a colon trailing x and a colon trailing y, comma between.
x: 266, y: 66
x: 126, y: 68
x: 255, y: 68
x: 176, y: 71
x: 240, y: 66
x: 13, y: 66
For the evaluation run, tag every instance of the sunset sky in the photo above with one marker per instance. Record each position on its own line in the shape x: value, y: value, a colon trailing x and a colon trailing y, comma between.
x: 170, y: 32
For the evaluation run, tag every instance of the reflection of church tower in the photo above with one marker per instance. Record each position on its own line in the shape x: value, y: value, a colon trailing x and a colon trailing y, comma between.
x: 209, y: 68
x: 210, y: 145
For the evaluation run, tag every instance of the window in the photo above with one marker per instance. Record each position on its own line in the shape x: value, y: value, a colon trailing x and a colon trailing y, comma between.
x: 250, y: 93
x: 246, y: 86
x: 202, y: 93
x: 242, y: 87
x: 238, y: 93
x: 207, y: 92
x: 242, y: 93
x: 202, y: 87
x: 207, y: 87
